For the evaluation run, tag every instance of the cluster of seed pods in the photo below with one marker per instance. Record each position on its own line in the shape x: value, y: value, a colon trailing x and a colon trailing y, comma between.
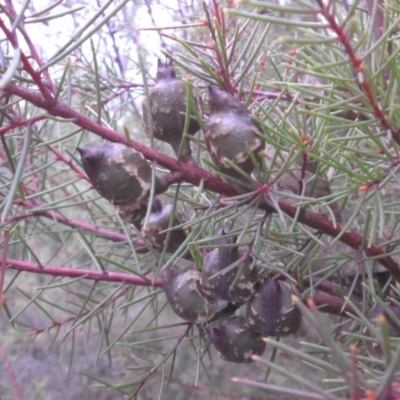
x: 229, y: 132
x: 228, y: 278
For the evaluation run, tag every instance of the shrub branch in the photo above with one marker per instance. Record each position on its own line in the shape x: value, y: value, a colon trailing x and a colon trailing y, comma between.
x: 195, y: 175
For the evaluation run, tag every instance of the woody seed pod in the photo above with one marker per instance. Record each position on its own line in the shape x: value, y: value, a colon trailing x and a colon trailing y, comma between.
x: 228, y: 285
x: 235, y: 341
x: 156, y: 225
x: 119, y: 173
x: 186, y: 298
x: 134, y: 213
x: 168, y: 110
x: 229, y: 130
x: 272, y: 311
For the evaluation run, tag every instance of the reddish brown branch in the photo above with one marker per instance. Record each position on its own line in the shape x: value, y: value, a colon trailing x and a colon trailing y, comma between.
x: 326, y: 11
x: 32, y: 48
x: 27, y: 65
x: 20, y: 122
x: 321, y: 285
x: 82, y: 273
x: 73, y: 223
x: 330, y: 304
x: 182, y: 336
x: 6, y: 238
x: 8, y: 366
x: 352, y: 239
x: 70, y: 164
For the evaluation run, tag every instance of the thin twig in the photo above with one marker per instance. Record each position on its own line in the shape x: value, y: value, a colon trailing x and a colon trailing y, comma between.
x: 81, y: 273
x: 357, y: 63
x: 6, y: 237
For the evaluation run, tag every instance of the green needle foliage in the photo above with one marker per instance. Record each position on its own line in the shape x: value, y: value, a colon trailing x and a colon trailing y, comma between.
x: 84, y: 284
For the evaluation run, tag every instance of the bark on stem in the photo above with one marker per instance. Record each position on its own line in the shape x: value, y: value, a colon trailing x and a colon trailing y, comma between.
x: 82, y: 273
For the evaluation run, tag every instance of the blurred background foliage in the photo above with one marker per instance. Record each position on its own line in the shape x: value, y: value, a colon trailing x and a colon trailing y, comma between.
x: 321, y: 78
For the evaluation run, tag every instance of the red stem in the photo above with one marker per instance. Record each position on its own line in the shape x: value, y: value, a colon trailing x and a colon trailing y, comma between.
x: 352, y: 239
x: 6, y: 363
x: 357, y: 64
x: 330, y: 304
x: 61, y: 157
x: 73, y: 223
x: 82, y: 273
x: 20, y: 122
x: 354, y: 385
x: 27, y: 66
x: 6, y: 238
x: 32, y: 48
x: 182, y: 336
